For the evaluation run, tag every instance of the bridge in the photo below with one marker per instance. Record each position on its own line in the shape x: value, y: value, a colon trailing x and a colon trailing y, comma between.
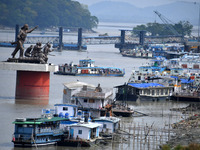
x: 125, y: 40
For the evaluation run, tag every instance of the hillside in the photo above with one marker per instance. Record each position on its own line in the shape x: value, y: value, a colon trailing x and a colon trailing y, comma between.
x: 125, y: 12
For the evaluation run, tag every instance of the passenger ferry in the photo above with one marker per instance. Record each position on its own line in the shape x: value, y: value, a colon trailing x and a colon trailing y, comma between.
x: 87, y: 67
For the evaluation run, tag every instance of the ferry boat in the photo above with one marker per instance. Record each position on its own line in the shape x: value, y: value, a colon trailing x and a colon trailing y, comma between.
x: 31, y: 132
x: 137, y: 53
x: 87, y: 67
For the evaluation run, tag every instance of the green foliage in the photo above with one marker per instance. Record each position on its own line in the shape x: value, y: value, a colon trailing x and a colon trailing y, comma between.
x: 165, y: 147
x: 182, y: 27
x: 46, y: 13
x: 192, y: 146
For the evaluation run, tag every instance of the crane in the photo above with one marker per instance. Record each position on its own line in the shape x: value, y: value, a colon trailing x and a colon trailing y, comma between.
x: 166, y: 22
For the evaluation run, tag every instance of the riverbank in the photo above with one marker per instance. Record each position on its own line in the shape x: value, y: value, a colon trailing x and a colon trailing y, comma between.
x: 187, y: 131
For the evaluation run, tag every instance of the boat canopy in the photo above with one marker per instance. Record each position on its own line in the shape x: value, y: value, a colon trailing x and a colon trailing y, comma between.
x: 39, y: 120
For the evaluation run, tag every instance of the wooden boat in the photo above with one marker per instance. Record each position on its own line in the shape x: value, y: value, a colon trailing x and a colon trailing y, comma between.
x: 86, y: 67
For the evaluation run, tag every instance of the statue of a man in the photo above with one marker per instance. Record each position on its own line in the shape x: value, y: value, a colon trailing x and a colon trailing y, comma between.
x: 20, y: 40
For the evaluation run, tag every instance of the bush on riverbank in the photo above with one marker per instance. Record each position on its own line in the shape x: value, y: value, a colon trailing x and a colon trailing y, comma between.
x: 192, y: 146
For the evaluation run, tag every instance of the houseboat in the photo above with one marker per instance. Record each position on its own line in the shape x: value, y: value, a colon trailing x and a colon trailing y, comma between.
x: 82, y: 134
x: 31, y: 132
x: 109, y: 125
x: 142, y: 91
x: 87, y: 97
x: 86, y: 67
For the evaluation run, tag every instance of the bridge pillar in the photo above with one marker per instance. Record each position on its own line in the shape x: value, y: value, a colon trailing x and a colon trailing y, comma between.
x: 32, y: 81
x: 79, y: 38
x: 16, y: 31
x: 142, y: 33
x: 32, y: 86
x: 60, y: 38
x: 122, y: 37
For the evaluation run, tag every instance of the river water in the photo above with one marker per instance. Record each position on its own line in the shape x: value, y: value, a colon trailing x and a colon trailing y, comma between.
x: 104, y: 55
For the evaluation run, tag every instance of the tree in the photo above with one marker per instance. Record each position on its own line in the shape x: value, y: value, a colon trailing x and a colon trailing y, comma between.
x: 182, y: 27
x: 46, y: 13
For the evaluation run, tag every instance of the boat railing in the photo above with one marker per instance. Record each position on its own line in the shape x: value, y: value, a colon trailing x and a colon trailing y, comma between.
x: 22, y: 138
x: 187, y: 93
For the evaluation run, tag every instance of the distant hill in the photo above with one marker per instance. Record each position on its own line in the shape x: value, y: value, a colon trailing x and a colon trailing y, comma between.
x: 125, y: 12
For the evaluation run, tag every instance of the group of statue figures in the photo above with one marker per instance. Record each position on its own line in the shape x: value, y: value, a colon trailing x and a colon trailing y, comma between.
x: 34, y: 53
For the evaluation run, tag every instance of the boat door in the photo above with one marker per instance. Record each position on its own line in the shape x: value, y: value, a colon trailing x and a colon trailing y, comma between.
x: 71, y: 133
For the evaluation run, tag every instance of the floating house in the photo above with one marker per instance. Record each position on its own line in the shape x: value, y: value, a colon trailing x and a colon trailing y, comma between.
x: 87, y: 97
x: 109, y: 124
x: 82, y: 134
x: 143, y: 91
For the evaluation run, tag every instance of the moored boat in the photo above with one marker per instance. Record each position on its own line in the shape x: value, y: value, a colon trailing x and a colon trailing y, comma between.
x: 143, y: 91
x: 31, y: 132
x: 86, y: 67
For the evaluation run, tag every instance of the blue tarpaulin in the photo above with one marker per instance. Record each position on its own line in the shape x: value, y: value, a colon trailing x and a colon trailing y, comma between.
x: 145, y: 85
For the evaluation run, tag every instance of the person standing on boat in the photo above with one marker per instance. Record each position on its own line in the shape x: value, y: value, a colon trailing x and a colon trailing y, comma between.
x: 21, y: 37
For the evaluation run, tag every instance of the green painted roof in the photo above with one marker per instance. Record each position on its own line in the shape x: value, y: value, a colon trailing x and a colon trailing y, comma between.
x: 39, y: 120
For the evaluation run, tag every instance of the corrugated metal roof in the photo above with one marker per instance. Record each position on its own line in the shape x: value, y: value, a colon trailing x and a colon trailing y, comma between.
x: 107, y: 119
x: 87, y: 125
x: 74, y: 85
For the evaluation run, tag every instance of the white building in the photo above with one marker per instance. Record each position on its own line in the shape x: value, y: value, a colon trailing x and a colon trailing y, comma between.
x: 109, y: 124
x: 86, y: 130
x: 66, y: 110
x: 72, y: 88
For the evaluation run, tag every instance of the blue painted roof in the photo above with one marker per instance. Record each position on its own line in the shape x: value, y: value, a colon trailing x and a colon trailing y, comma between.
x: 87, y: 60
x: 145, y: 85
x: 65, y: 105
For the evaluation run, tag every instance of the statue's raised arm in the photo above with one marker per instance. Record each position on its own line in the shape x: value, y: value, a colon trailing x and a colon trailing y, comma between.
x: 29, y: 31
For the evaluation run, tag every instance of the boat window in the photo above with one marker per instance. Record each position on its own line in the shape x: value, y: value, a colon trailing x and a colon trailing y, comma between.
x: 140, y: 91
x: 85, y: 100
x: 79, y: 131
x: 145, y: 91
x: 91, y: 101
x: 166, y: 91
x: 153, y: 92
x: 104, y: 126
x: 148, y: 92
x: 161, y: 91
x: 157, y: 92
x: 65, y: 108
